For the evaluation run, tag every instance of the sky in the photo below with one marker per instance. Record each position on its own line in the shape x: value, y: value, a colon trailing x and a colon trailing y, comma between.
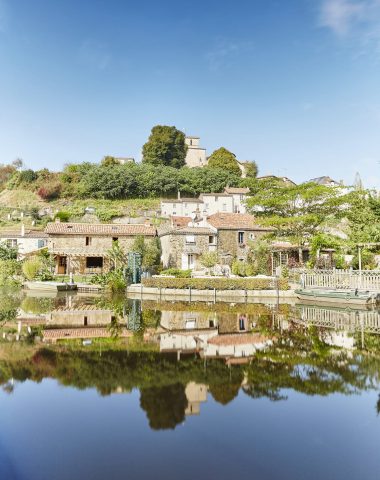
x: 291, y: 84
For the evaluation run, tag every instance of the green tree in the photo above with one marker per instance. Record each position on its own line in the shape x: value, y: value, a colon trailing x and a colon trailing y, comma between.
x: 152, y: 254
x: 251, y: 169
x: 223, y: 158
x: 296, y: 211
x: 109, y: 161
x: 209, y: 260
x: 165, y: 146
x: 7, y: 253
x: 364, y: 217
x: 117, y: 255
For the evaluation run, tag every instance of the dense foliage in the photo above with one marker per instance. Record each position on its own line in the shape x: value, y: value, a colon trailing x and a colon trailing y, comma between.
x: 223, y: 158
x: 217, y: 283
x: 165, y: 146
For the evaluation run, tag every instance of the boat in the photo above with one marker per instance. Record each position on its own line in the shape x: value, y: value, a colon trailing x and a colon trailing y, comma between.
x: 350, y: 297
x: 51, y: 286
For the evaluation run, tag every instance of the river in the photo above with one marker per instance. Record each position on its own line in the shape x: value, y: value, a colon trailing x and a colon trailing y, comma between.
x: 104, y: 387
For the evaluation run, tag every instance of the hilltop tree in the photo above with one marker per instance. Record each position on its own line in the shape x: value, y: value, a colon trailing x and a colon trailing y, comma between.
x: 251, y: 169
x: 165, y: 146
x: 223, y: 158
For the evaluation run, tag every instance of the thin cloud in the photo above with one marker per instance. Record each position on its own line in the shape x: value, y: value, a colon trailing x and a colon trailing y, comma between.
x: 94, y: 54
x: 341, y: 15
x: 224, y: 52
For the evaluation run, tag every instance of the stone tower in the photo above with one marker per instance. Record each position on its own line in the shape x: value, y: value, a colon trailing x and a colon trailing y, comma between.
x: 196, y: 155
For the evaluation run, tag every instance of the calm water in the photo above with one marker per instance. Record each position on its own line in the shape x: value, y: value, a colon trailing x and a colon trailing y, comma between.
x: 187, y: 391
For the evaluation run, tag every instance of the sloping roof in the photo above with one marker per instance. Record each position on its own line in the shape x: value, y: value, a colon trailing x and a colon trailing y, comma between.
x: 99, y: 229
x: 189, y: 231
x: 232, y: 190
x: 180, y: 221
x: 235, y: 221
x: 212, y: 194
x: 181, y: 200
x: 325, y: 180
x: 28, y: 234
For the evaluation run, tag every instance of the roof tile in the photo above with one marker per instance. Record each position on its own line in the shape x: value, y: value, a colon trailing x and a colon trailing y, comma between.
x: 105, y: 229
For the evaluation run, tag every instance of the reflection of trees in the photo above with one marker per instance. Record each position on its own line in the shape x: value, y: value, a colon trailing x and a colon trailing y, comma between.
x: 165, y: 406
x: 224, y: 393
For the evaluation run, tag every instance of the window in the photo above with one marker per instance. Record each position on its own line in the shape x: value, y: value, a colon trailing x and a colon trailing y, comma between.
x: 41, y: 243
x: 241, y: 237
x: 88, y: 241
x: 173, y: 206
x: 85, y: 321
x: 190, y: 239
x: 185, y: 205
x: 190, y: 324
x: 12, y: 242
x: 251, y: 236
x: 224, y: 207
x: 94, y: 262
x: 206, y: 206
x: 115, y: 239
x: 211, y: 239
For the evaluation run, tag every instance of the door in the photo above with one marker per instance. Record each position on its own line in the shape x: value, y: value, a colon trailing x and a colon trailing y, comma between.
x: 62, y: 265
x: 190, y: 261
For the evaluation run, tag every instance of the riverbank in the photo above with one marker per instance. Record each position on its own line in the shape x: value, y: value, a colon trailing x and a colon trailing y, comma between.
x: 191, y: 294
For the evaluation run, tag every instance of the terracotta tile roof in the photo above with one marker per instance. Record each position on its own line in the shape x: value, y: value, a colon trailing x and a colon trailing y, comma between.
x: 235, y: 221
x: 238, y: 339
x: 189, y: 230
x: 243, y: 190
x: 99, y: 229
x: 180, y: 221
x: 28, y: 234
x: 181, y: 200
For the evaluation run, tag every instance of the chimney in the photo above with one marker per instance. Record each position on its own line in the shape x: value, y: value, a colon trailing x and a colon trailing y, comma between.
x: 179, y: 195
x: 22, y: 230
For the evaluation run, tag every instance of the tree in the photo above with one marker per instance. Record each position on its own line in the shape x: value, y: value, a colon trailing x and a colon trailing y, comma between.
x: 152, y: 254
x: 117, y: 255
x: 209, y: 260
x: 251, y: 169
x: 109, y: 161
x: 364, y: 217
x: 7, y: 253
x: 165, y: 146
x: 223, y: 158
x: 296, y: 211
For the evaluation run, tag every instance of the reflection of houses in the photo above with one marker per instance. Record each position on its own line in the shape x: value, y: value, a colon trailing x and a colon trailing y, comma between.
x: 196, y: 393
x: 25, y: 240
x: 236, y: 345
x: 80, y: 316
x: 84, y: 248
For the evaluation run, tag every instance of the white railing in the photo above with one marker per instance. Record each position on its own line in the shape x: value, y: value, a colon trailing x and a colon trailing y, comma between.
x: 341, y: 279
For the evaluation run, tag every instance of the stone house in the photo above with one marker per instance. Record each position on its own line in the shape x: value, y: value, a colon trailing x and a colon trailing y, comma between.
x: 182, y: 247
x: 82, y: 248
x: 25, y: 240
x: 226, y: 233
x: 234, y: 231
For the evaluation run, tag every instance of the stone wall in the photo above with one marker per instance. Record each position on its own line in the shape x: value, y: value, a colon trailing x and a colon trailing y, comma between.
x: 175, y: 248
x: 229, y: 247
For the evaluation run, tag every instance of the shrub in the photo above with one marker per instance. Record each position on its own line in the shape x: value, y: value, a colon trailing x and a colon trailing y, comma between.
x: 218, y: 283
x: 50, y: 192
x: 28, y: 176
x: 176, y: 272
x: 31, y: 267
x: 243, y: 269
x: 62, y: 216
x: 9, y: 271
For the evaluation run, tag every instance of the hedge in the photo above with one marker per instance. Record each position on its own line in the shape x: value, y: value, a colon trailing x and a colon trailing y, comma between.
x: 217, y: 283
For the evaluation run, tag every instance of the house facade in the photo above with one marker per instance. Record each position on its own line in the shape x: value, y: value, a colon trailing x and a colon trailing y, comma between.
x: 26, y: 241
x: 182, y: 247
x: 81, y: 248
x: 232, y: 200
x: 234, y: 232
x: 228, y: 234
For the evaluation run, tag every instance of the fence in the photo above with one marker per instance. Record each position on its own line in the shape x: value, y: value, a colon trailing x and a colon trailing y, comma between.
x: 341, y: 279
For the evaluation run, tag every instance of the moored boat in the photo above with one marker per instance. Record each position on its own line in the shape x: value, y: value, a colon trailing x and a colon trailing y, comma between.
x: 351, y: 297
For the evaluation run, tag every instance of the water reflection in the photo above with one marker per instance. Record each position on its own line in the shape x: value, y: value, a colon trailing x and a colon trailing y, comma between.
x: 177, y: 354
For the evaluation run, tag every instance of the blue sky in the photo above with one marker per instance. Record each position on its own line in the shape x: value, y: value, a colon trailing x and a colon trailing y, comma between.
x: 292, y: 84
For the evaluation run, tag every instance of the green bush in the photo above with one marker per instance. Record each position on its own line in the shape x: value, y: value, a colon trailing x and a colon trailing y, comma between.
x: 31, y: 267
x: 176, y: 272
x: 218, y: 283
x: 9, y: 271
x: 62, y: 216
x: 243, y: 269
